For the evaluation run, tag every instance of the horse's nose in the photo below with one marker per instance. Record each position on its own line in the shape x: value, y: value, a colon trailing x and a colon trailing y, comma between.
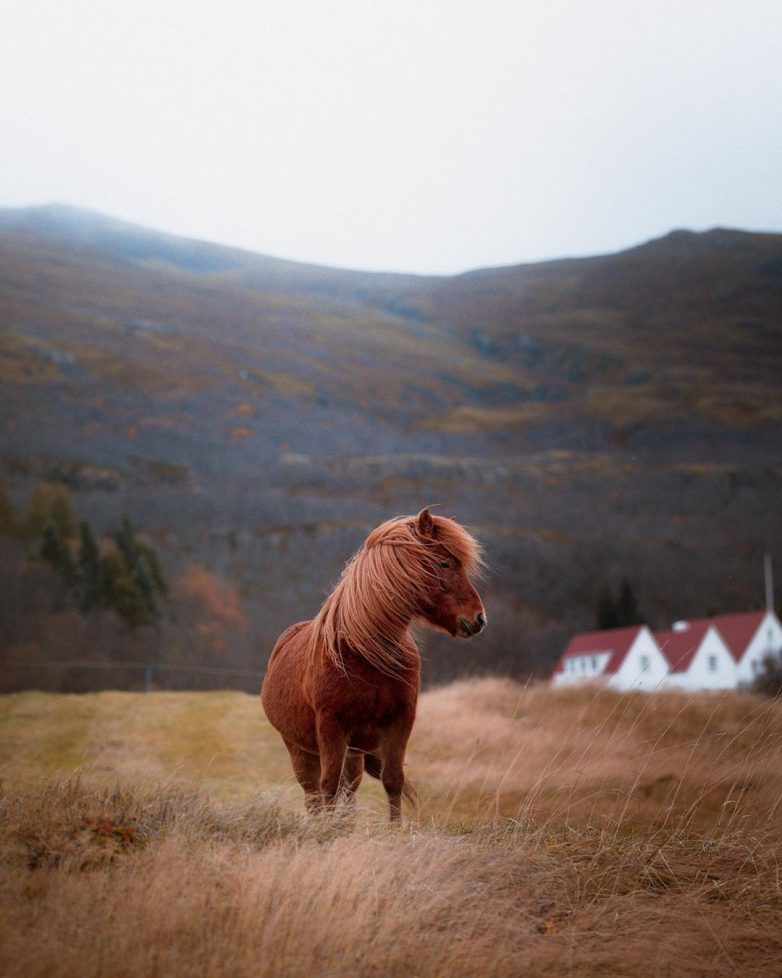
x: 480, y: 622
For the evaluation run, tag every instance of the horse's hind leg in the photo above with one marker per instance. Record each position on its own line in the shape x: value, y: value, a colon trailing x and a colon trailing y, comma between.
x: 351, y: 774
x: 393, y: 771
x: 306, y: 767
x: 374, y: 767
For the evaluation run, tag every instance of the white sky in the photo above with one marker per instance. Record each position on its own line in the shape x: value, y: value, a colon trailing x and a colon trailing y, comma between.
x: 410, y: 135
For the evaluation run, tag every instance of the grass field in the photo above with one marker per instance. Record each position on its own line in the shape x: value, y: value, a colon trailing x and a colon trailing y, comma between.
x: 560, y: 832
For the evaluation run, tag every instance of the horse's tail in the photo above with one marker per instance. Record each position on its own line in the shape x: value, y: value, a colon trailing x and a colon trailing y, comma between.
x: 410, y: 795
x: 374, y: 769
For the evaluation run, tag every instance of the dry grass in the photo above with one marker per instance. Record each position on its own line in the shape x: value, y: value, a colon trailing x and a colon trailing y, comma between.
x: 563, y: 832
x: 588, y: 754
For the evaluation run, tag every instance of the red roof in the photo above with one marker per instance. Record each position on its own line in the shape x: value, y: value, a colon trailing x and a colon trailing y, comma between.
x: 739, y: 630
x: 680, y: 645
x: 617, y: 641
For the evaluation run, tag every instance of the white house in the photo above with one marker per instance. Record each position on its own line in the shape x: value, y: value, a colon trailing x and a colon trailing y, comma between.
x: 751, y: 637
x: 623, y: 658
x: 698, y: 657
x: 723, y: 652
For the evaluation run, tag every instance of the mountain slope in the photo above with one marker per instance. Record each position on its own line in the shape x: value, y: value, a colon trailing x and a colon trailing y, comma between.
x: 592, y: 418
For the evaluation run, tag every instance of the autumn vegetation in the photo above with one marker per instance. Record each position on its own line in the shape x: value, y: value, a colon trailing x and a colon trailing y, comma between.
x: 574, y: 831
x: 121, y: 573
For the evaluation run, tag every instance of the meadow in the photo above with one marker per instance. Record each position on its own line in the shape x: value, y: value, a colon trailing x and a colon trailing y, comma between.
x: 578, y: 832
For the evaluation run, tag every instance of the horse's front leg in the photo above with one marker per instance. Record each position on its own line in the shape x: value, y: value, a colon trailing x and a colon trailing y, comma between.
x: 332, y: 745
x: 393, y: 773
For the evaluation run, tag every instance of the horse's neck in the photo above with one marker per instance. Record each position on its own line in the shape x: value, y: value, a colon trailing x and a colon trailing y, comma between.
x: 406, y: 644
x: 402, y: 651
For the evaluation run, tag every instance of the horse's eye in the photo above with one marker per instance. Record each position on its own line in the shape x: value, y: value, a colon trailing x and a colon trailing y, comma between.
x: 445, y: 563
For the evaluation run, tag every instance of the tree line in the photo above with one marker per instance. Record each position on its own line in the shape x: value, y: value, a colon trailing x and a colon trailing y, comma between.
x: 119, y: 572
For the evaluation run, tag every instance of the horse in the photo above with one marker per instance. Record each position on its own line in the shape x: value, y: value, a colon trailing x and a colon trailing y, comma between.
x: 342, y: 689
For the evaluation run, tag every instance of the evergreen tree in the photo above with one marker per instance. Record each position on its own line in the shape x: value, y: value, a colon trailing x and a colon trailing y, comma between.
x: 126, y: 541
x: 606, y: 610
x: 56, y: 552
x: 89, y: 570
x: 142, y: 575
x: 8, y: 524
x: 143, y: 564
x: 153, y: 566
x: 627, y: 606
x: 119, y: 589
x: 62, y: 513
x: 618, y: 612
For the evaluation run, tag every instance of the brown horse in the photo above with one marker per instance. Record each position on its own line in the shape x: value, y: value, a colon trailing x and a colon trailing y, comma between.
x: 342, y: 689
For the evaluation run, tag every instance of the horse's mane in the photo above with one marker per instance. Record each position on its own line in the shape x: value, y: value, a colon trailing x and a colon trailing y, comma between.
x: 378, y: 590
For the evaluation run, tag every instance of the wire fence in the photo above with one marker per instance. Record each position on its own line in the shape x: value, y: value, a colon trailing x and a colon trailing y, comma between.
x: 149, y: 670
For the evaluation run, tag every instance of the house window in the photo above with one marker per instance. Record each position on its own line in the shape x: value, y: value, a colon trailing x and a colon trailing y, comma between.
x: 713, y: 663
x: 645, y: 663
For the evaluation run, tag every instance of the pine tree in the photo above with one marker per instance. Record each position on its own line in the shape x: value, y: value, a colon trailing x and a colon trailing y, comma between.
x: 55, y: 551
x: 627, y: 606
x: 119, y: 589
x: 126, y: 541
x: 62, y: 514
x: 144, y: 582
x: 606, y: 610
x: 143, y: 564
x: 153, y: 566
x: 8, y: 523
x: 89, y: 570
x: 617, y: 612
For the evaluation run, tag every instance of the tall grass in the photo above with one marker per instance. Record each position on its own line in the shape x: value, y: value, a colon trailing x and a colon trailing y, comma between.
x: 670, y: 760
x: 563, y: 832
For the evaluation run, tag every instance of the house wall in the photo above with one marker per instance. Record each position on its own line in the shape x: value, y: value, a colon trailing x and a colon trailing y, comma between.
x: 634, y: 673
x: 586, y: 667
x: 700, y: 675
x: 768, y: 638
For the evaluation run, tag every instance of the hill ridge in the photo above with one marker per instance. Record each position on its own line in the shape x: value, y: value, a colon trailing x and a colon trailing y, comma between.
x: 63, y: 218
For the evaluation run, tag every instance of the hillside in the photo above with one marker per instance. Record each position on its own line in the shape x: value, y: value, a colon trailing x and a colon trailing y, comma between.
x: 590, y: 419
x: 561, y: 831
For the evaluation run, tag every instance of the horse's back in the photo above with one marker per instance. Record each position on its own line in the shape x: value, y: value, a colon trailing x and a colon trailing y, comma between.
x: 282, y: 693
x: 283, y: 642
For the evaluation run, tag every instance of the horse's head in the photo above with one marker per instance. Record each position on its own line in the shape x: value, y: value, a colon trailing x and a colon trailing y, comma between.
x: 448, y: 598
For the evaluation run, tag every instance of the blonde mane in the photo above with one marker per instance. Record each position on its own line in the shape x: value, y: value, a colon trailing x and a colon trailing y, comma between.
x: 377, y: 594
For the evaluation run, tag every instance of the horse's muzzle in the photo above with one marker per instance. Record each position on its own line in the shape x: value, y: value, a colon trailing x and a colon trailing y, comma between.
x: 472, y: 629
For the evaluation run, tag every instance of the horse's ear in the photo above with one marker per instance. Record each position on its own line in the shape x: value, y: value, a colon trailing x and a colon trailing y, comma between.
x: 424, y: 523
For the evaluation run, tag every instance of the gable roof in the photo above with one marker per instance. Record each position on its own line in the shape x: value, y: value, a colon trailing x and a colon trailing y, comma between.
x: 680, y: 645
x: 617, y: 641
x: 739, y: 630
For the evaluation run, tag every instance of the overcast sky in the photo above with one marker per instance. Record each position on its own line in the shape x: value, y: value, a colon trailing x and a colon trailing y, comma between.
x: 410, y: 135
